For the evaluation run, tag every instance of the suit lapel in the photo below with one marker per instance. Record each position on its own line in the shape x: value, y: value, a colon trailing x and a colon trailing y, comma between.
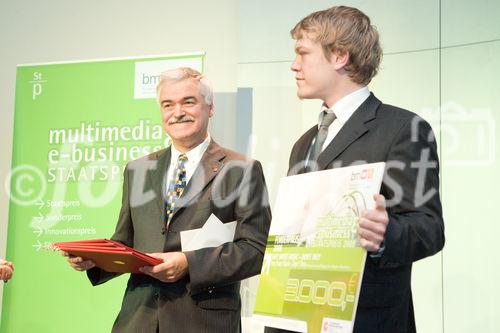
x: 307, y: 138
x: 300, y: 153
x: 209, y: 166
x: 354, y: 128
x: 158, y: 174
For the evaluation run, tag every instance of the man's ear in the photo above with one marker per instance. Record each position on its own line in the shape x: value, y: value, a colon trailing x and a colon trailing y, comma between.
x: 211, y: 111
x: 340, y: 60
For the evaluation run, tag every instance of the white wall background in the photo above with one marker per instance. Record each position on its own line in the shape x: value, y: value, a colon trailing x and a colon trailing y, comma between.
x: 436, y: 53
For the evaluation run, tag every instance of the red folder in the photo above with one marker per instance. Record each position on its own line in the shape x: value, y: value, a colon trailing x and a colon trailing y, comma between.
x: 109, y: 255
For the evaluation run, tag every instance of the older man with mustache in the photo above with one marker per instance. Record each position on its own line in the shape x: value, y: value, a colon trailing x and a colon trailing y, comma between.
x: 191, y: 291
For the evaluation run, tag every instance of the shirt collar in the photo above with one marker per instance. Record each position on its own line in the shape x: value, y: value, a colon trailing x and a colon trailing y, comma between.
x: 345, y: 107
x: 194, y: 155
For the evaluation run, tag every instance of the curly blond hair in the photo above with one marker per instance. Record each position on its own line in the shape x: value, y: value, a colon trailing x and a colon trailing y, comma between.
x: 345, y: 29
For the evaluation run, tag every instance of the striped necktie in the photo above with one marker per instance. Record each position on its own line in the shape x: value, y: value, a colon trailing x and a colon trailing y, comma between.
x: 176, y: 187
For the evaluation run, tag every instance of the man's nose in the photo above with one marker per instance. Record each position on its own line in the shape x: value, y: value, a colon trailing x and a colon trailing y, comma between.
x: 295, y: 67
x: 178, y: 111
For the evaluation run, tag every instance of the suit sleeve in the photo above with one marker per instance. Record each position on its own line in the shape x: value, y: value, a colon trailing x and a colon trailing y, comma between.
x: 411, y: 187
x: 242, y: 258
x: 124, y: 233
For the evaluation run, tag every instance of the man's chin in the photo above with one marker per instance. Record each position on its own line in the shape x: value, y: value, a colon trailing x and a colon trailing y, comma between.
x: 304, y: 95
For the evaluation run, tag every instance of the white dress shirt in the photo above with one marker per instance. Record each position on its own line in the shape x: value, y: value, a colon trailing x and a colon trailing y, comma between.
x: 343, y: 109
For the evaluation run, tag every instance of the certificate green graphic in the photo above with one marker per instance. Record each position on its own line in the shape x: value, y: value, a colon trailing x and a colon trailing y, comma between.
x: 313, y: 265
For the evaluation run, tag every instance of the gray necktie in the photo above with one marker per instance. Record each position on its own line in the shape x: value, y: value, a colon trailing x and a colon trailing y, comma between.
x: 328, y: 118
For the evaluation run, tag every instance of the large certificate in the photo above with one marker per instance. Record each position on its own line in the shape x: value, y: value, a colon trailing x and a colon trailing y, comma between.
x: 313, y: 265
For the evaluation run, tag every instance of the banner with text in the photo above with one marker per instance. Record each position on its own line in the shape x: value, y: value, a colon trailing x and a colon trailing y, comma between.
x: 76, y: 126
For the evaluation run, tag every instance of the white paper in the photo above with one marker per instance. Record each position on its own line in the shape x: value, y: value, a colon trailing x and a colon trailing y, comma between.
x: 213, y: 233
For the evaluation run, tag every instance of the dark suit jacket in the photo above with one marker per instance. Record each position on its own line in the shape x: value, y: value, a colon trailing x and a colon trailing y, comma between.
x: 207, y: 299
x: 378, y: 132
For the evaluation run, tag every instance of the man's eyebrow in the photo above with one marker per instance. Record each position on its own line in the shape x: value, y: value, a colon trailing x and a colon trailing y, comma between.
x: 183, y: 99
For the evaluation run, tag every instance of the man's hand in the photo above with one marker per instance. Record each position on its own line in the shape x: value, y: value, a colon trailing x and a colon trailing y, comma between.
x: 78, y: 263
x: 6, y: 270
x: 373, y: 224
x: 173, y: 268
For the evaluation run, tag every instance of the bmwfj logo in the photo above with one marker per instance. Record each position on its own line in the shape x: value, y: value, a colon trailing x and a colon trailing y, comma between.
x: 362, y: 175
x: 150, y: 79
x: 37, y: 85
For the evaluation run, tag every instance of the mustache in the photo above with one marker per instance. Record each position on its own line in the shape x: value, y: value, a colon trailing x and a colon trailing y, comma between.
x: 184, y: 119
